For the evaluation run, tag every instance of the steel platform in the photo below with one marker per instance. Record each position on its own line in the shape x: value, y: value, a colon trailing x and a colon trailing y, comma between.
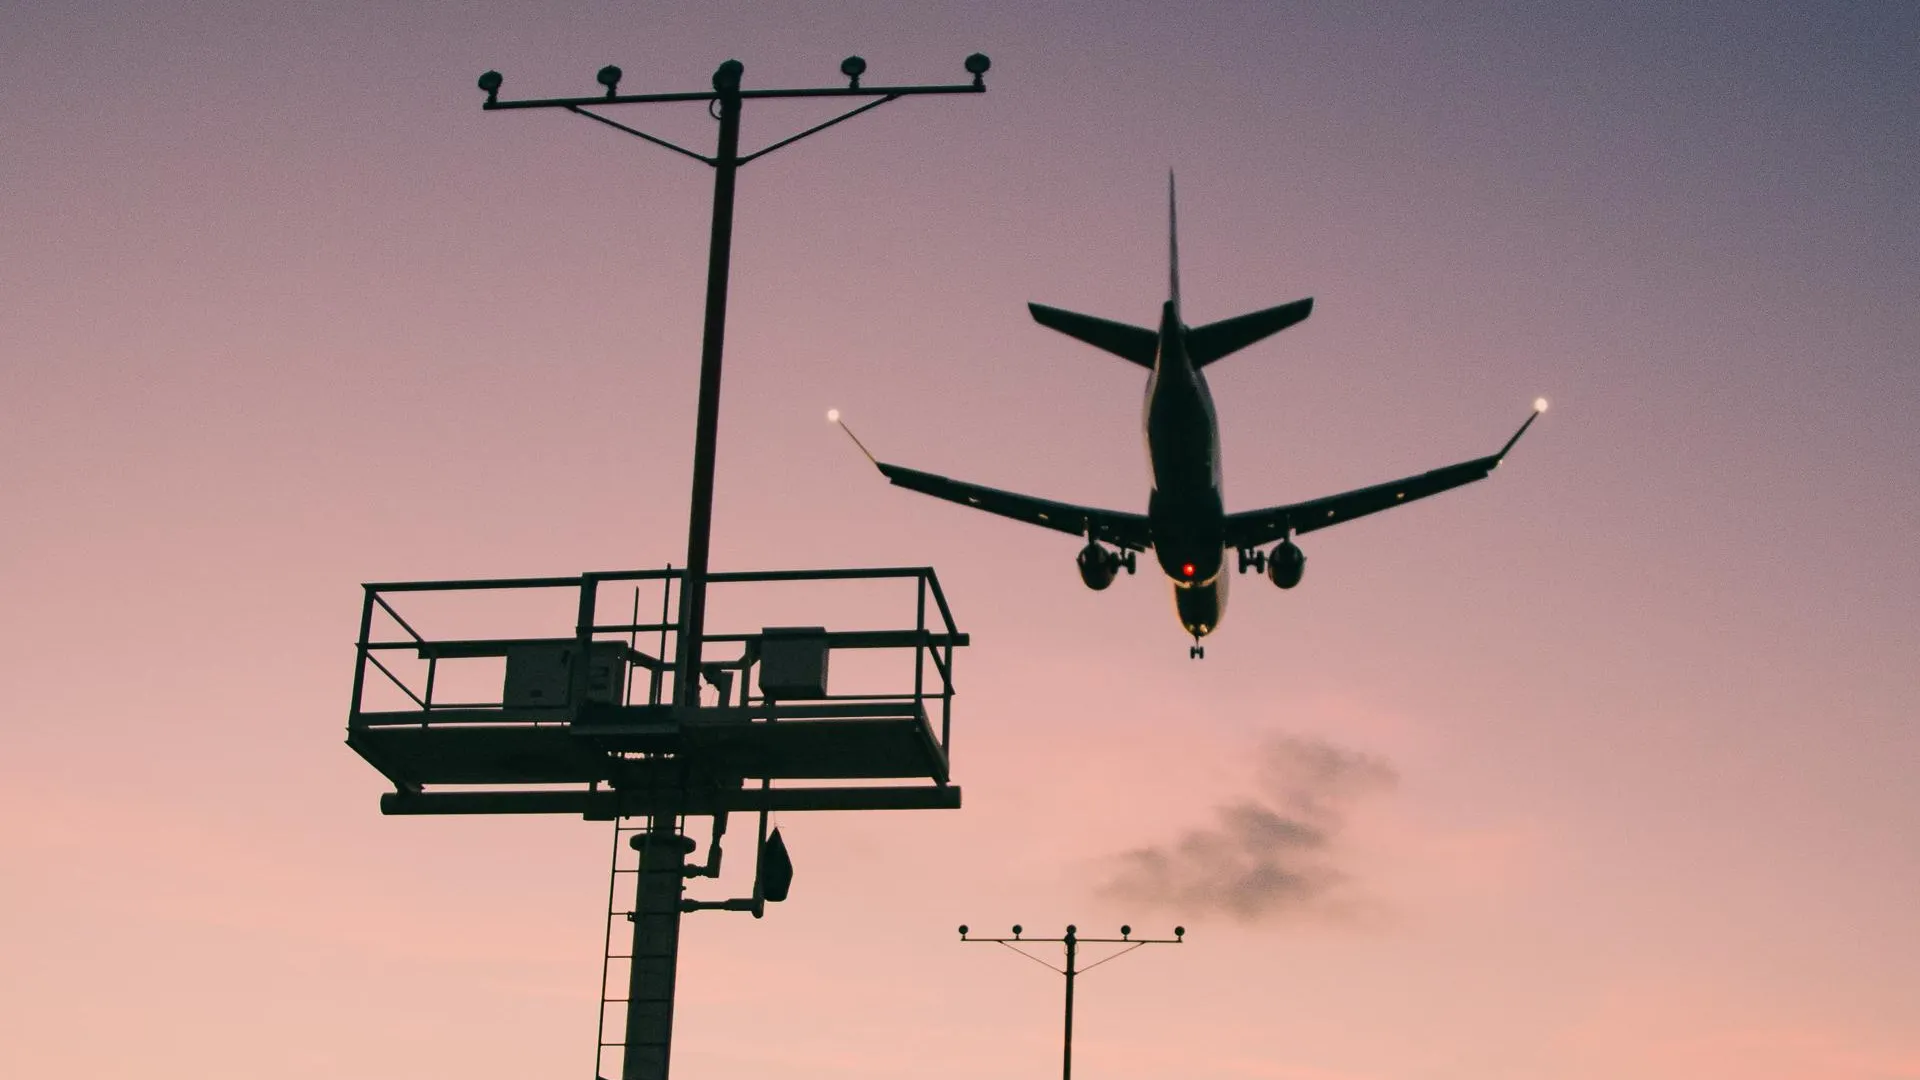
x: 593, y: 752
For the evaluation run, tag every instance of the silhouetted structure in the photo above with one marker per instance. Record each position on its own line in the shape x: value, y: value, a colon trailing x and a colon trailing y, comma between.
x: 564, y: 734
x: 1072, y: 941
x: 552, y: 709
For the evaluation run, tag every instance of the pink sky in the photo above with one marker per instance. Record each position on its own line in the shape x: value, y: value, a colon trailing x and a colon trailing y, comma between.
x: 282, y: 311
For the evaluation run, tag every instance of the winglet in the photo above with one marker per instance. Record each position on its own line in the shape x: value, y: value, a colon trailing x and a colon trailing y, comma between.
x: 833, y: 417
x: 1539, y: 406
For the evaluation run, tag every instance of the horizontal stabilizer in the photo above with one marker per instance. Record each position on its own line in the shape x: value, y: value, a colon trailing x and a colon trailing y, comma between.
x: 1208, y: 343
x: 1127, y: 342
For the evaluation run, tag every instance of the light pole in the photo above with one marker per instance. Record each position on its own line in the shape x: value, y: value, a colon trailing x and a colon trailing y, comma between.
x: 724, y: 101
x: 658, y: 907
x: 1072, y: 940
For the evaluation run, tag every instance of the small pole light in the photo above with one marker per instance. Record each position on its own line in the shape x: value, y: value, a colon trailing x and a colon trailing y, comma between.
x: 609, y: 77
x: 490, y: 82
x: 977, y: 66
x: 853, y: 67
x: 726, y: 77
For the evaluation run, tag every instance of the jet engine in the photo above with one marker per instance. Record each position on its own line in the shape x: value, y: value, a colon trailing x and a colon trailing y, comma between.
x: 1097, y: 566
x: 1285, y: 564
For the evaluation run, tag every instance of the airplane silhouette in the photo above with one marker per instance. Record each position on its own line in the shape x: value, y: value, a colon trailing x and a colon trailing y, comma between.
x: 1186, y: 523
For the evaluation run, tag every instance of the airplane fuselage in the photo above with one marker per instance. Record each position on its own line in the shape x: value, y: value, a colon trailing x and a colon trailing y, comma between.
x: 1185, y: 510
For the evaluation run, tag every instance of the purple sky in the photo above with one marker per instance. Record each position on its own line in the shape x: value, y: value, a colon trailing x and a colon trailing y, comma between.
x: 1628, y: 730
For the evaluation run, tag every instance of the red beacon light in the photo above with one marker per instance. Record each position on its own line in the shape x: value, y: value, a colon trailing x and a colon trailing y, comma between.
x: 1187, y: 569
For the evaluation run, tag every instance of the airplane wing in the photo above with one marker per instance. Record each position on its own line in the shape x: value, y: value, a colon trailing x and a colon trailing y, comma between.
x: 1255, y: 527
x: 1119, y: 529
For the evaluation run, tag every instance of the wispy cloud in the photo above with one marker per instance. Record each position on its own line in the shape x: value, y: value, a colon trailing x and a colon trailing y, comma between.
x: 1269, y: 854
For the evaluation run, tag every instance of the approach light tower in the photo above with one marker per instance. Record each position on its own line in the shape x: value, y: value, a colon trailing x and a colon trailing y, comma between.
x: 591, y: 718
x: 1072, y: 941
x: 724, y: 102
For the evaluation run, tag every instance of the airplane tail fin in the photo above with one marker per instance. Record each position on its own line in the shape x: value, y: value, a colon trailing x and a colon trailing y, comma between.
x: 1208, y: 343
x: 1205, y: 344
x: 1173, y: 244
x: 1134, y: 343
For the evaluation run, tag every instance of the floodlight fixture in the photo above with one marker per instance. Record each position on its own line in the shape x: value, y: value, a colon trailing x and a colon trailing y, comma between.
x: 609, y: 77
x: 853, y: 67
x: 775, y: 870
x: 490, y: 82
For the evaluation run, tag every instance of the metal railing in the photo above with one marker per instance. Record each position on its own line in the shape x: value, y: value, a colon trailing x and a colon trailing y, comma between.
x: 389, y: 640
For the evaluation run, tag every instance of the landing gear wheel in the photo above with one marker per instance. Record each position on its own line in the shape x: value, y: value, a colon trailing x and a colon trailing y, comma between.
x: 1198, y: 652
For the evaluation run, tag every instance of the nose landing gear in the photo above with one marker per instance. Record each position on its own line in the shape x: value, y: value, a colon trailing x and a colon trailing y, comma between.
x: 1198, y: 651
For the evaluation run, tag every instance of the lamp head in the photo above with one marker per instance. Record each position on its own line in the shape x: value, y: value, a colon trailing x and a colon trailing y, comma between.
x: 963, y: 930
x: 1179, y: 931
x: 977, y: 66
x: 726, y: 77
x: 608, y: 77
x: 853, y: 67
x: 490, y: 82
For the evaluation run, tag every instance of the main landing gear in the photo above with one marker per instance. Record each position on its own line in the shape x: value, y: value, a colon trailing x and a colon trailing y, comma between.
x: 1198, y: 651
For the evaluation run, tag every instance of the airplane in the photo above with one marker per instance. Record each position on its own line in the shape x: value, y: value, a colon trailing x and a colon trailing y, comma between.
x: 1186, y: 523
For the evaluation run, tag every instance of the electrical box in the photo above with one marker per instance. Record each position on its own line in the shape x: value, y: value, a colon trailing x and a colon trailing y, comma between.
x: 540, y: 674
x: 793, y: 662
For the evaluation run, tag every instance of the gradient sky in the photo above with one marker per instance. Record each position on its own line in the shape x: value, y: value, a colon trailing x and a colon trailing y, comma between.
x: 281, y: 311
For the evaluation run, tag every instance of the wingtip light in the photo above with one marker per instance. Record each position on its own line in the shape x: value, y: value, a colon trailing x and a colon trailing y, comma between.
x: 1539, y: 404
x: 833, y: 417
